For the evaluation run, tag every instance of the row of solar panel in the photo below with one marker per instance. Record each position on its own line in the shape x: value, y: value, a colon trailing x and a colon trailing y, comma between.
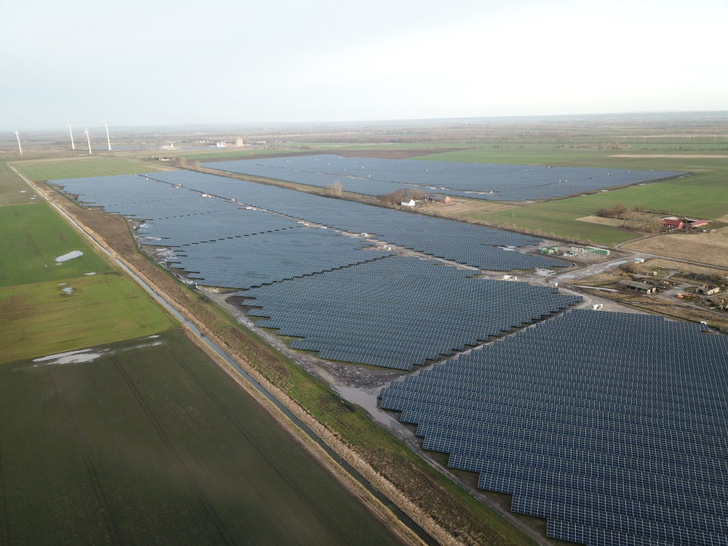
x: 654, y: 434
x: 647, y: 458
x: 678, y: 439
x: 555, y: 375
x: 432, y: 322
x: 529, y: 395
x: 441, y: 238
x: 438, y: 237
x: 490, y: 181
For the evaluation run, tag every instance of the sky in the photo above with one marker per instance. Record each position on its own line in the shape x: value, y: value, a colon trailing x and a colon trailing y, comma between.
x: 173, y: 62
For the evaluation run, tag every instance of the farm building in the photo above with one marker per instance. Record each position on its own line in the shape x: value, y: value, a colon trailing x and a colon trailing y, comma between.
x: 640, y: 287
x: 408, y: 203
x: 439, y: 198
x: 695, y: 224
x: 708, y: 290
x: 672, y: 222
x: 721, y: 302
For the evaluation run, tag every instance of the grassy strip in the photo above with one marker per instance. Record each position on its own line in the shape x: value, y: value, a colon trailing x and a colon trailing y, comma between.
x: 81, y: 168
x: 440, y: 502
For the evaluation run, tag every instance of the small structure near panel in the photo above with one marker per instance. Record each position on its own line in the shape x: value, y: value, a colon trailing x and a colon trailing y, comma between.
x: 639, y: 287
x: 708, y: 290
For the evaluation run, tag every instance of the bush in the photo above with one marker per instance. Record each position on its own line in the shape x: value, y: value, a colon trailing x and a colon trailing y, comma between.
x: 402, y: 194
x: 615, y: 211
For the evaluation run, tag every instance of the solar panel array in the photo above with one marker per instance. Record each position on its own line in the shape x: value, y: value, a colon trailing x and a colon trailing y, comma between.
x: 478, y: 180
x: 225, y: 222
x: 468, y: 244
x: 398, y: 311
x: 139, y: 197
x: 220, y: 243
x: 248, y: 261
x: 612, y: 426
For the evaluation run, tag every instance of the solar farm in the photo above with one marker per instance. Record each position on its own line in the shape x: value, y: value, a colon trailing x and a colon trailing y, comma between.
x: 351, y: 301
x: 611, y: 426
x: 399, y: 311
x: 476, y: 180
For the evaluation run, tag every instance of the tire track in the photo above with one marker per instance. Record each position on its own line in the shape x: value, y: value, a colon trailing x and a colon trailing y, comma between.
x: 293, y: 487
x: 62, y: 387
x: 194, y: 485
x: 5, y: 523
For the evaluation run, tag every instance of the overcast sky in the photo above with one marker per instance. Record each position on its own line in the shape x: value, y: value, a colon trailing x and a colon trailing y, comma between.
x: 163, y: 62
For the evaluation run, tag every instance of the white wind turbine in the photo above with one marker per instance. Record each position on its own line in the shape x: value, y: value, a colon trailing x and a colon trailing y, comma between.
x: 17, y: 136
x: 70, y: 132
x: 88, y: 140
x: 108, y: 140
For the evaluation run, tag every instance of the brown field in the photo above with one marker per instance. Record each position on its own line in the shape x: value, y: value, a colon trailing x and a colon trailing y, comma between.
x: 614, y: 222
x: 708, y: 248
x: 461, y: 207
x: 669, y: 264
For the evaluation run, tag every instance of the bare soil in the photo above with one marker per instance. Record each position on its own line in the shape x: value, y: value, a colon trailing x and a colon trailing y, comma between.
x: 707, y: 248
x: 614, y: 222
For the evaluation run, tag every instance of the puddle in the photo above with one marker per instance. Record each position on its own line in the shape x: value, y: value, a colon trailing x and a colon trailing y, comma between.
x: 70, y: 256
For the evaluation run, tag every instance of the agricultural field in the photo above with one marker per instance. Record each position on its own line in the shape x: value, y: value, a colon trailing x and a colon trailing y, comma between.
x: 13, y: 190
x: 708, y: 248
x: 702, y: 194
x: 81, y: 168
x: 58, y: 294
x: 34, y: 238
x: 51, y: 317
x: 147, y: 442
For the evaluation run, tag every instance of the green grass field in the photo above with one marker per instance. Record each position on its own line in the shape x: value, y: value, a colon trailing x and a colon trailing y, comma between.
x: 40, y: 318
x: 13, y: 190
x: 36, y: 316
x: 703, y: 194
x: 81, y: 168
x: 33, y: 237
x: 150, y: 443
x: 696, y: 196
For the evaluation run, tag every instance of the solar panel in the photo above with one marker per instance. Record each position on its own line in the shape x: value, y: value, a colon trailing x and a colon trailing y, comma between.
x: 373, y: 176
x: 609, y: 424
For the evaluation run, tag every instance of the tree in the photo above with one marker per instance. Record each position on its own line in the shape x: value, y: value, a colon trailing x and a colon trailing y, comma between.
x: 402, y: 194
x: 335, y: 189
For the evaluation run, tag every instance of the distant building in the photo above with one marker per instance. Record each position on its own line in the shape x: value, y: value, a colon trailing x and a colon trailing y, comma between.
x: 708, y: 290
x: 640, y: 287
x: 672, y: 222
x: 695, y: 224
x: 239, y: 141
x: 439, y: 198
x: 410, y: 203
x: 596, y: 250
